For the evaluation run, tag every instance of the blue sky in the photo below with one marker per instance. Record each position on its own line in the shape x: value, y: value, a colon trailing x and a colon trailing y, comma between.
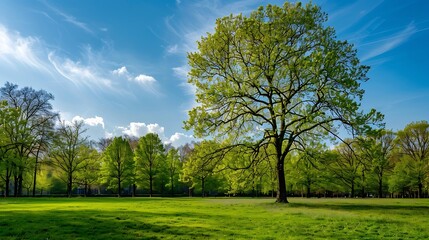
x: 121, y: 65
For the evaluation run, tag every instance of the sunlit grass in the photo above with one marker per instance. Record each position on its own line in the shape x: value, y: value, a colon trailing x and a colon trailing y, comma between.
x: 217, y: 218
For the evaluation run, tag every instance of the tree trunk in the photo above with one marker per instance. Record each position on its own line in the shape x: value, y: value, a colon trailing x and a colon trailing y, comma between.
x: 353, y: 189
x: 202, y: 186
x: 172, y: 187
x: 7, y: 182
x: 363, y: 185
x: 150, y: 185
x: 35, y: 172
x: 20, y: 177
x: 86, y: 189
x: 420, y: 190
x: 281, y: 191
x: 134, y: 189
x: 380, y: 187
x: 15, y: 185
x: 119, y: 186
x: 69, y: 185
x: 308, y: 190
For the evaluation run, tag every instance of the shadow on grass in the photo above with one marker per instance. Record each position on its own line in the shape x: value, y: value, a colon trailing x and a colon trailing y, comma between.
x: 74, y: 224
x: 418, y: 210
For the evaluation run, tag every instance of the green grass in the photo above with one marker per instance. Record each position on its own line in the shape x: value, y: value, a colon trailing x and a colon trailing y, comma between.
x: 215, y: 218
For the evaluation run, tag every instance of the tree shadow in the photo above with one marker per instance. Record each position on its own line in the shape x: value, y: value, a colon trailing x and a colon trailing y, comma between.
x: 90, y: 224
x: 406, y: 209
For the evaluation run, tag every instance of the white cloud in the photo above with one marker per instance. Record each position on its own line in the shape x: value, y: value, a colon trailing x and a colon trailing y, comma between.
x: 148, y: 83
x: 180, y: 139
x: 138, y: 129
x: 15, y: 48
x: 94, y: 121
x: 120, y: 71
x: 389, y: 43
x: 145, y: 79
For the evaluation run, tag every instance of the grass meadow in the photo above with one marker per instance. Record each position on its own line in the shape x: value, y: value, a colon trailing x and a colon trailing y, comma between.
x: 214, y: 218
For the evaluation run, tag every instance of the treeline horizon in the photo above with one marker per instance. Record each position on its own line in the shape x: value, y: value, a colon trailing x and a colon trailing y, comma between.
x: 42, y: 155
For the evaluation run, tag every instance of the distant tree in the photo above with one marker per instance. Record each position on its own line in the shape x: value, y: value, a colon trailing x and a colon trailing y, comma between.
x: 378, y: 149
x: 344, y: 163
x: 307, y: 169
x: 149, y: 156
x: 274, y: 76
x: 413, y: 142
x: 118, y: 165
x: 401, y: 180
x: 103, y: 143
x: 90, y: 168
x: 201, y: 164
x: 173, y: 167
x: 67, y: 152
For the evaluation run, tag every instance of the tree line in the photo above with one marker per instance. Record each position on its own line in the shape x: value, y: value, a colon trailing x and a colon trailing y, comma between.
x: 40, y: 154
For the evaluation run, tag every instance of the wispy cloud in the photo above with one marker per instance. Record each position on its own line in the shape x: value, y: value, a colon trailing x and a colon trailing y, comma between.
x: 383, y: 45
x: 173, y: 49
x: 182, y: 73
x: 351, y: 14
x: 70, y: 19
x: 80, y: 74
x: 15, y: 48
x: 201, y: 17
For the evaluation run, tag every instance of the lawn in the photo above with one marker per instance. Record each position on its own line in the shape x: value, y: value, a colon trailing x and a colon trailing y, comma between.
x: 215, y: 218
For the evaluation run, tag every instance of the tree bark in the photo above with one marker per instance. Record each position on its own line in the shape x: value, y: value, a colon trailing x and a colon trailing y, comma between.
x: 15, y: 185
x: 308, y: 190
x: 150, y: 185
x: 202, y: 186
x: 119, y: 186
x: 420, y: 190
x: 69, y: 185
x: 380, y: 187
x: 172, y: 187
x: 281, y: 191
x: 35, y: 172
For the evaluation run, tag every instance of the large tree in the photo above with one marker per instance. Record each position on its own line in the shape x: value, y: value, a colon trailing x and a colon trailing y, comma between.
x: 273, y: 77
x: 149, y: 156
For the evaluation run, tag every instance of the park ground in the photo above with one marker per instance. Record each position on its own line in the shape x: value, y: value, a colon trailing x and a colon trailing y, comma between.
x: 212, y: 218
